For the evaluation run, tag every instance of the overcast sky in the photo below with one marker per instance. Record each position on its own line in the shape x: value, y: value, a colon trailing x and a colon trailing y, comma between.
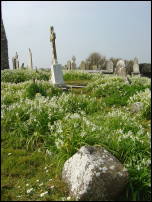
x: 120, y: 29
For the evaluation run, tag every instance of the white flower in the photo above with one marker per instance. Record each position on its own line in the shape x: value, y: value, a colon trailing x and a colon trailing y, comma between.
x: 52, y: 187
x: 37, y: 180
x: 68, y: 198
x: 42, y: 194
x: 29, y: 190
x: 27, y: 184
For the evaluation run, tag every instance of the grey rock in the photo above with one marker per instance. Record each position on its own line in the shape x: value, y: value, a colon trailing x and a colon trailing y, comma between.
x: 94, y: 174
x: 136, y: 107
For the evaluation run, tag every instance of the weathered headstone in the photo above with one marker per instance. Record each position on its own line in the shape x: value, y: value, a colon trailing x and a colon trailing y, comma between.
x: 69, y: 65
x: 121, y: 69
x: 109, y: 65
x: 73, y: 63
x: 14, y: 62
x: 30, y: 59
x: 56, y: 69
x: 93, y: 174
x: 136, y: 70
x: 83, y: 65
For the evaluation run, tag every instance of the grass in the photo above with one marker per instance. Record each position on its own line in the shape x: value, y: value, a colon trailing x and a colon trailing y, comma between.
x: 42, y: 127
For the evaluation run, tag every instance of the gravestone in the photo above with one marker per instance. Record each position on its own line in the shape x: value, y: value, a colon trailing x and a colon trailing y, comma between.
x: 69, y: 65
x: 120, y: 68
x: 30, y: 60
x: 136, y: 70
x: 56, y: 69
x: 109, y: 66
x: 73, y: 63
x: 83, y: 65
x: 14, y: 62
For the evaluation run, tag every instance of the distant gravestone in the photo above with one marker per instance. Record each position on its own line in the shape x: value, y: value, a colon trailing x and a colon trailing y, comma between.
x: 83, y: 65
x: 30, y: 59
x: 14, y: 62
x: 136, y: 70
x: 120, y: 68
x: 94, y: 67
x: 109, y: 65
x: 73, y: 63
x: 69, y: 65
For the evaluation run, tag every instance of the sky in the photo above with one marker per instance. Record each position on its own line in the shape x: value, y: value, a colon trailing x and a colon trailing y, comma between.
x: 120, y: 29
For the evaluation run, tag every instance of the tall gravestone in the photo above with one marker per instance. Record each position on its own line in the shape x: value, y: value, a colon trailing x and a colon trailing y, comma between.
x: 56, y: 69
x: 73, y: 63
x: 4, y: 48
x: 30, y: 59
x: 136, y: 70
x: 120, y: 68
x: 109, y: 66
x: 83, y: 65
x: 17, y: 61
x: 69, y: 65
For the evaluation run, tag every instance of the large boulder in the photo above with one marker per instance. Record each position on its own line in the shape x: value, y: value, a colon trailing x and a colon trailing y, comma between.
x: 94, y: 174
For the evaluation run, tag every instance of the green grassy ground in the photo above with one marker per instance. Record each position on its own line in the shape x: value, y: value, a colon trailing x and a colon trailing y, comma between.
x: 42, y: 127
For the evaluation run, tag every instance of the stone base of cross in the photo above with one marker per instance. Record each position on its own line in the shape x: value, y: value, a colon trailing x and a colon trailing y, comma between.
x: 57, y: 75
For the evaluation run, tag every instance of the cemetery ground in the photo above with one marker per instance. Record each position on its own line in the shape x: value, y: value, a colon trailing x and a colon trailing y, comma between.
x: 42, y: 126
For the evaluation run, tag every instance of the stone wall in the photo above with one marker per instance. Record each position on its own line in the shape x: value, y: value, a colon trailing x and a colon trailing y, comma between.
x: 4, y: 48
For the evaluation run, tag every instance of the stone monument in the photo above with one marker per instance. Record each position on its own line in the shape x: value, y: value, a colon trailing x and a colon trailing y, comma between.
x: 73, y: 63
x: 30, y: 59
x: 109, y: 66
x: 56, y: 69
x: 136, y: 70
x: 17, y: 61
x: 83, y: 65
x: 69, y: 65
x: 120, y: 68
x: 14, y: 62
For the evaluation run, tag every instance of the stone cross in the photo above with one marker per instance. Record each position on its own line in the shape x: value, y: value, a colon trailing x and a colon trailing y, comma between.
x: 30, y: 59
x: 52, y: 39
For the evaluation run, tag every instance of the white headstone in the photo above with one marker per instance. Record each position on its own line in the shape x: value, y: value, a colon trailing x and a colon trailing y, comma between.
x: 109, y: 66
x: 30, y: 59
x: 136, y: 66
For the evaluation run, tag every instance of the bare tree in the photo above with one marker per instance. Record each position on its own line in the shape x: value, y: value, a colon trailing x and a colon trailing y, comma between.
x: 96, y: 59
